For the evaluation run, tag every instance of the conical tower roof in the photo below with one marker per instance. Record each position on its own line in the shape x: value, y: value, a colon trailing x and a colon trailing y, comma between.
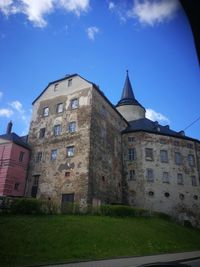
x: 128, y: 97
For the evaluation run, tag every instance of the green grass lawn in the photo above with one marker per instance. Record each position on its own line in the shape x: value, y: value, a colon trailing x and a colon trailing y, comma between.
x: 26, y: 240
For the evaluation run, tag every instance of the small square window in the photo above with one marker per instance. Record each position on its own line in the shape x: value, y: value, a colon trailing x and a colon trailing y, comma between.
x: 70, y: 151
x: 163, y: 141
x: 69, y: 82
x: 57, y: 130
x: 67, y: 174
x: 178, y: 158
x: 180, y: 178
x: 74, y: 103
x: 131, y: 139
x: 45, y: 112
x: 165, y: 177
x: 132, y: 175
x: 190, y: 145
x: 131, y: 154
x: 21, y: 156
x: 16, y: 186
x: 59, y: 108
x: 149, y: 154
x: 176, y: 143
x: 163, y: 156
x: 38, y: 157
x: 72, y: 127
x: 56, y: 87
x: 42, y: 133
x: 194, y: 180
x: 150, y: 175
x: 53, y: 154
x: 191, y: 160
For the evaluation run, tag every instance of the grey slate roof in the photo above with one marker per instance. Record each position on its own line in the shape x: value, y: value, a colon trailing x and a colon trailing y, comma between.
x: 22, y: 141
x: 147, y: 125
x: 128, y: 97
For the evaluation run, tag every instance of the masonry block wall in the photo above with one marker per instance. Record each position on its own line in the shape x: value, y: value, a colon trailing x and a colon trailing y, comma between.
x: 161, y: 172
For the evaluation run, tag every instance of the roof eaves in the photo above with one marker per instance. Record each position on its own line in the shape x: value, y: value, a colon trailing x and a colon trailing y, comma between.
x: 108, y: 101
x: 161, y: 133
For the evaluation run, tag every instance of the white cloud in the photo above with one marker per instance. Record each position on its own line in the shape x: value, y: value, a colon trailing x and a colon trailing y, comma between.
x: 156, y: 116
x: 111, y: 5
x: 76, y: 6
x: 36, y: 10
x: 17, y: 106
x: 6, y: 112
x: 91, y: 32
x: 1, y: 95
x: 151, y: 12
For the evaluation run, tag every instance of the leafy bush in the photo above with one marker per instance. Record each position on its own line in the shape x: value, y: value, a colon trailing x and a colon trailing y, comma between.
x: 70, y: 208
x: 26, y: 206
x: 123, y: 211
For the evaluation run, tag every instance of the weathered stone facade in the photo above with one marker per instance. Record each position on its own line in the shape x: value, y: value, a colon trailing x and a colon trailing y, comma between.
x: 161, y: 183
x: 93, y: 173
x: 86, y: 150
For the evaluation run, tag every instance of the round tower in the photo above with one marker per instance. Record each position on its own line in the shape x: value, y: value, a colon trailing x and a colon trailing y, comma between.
x: 128, y: 106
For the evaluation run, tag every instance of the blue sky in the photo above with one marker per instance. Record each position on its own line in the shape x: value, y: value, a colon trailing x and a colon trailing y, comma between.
x: 43, y: 40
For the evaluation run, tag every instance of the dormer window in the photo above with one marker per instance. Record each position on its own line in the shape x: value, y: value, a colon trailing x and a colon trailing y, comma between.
x: 69, y: 82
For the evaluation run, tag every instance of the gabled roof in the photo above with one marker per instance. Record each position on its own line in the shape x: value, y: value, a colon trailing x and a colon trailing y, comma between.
x: 128, y: 97
x: 13, y: 137
x: 56, y: 81
x: 147, y: 125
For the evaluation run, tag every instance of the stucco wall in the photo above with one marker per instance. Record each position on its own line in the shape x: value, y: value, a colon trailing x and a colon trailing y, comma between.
x: 138, y: 190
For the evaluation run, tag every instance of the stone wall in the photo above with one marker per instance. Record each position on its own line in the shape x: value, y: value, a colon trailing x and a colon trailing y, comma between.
x: 106, y: 152
x: 164, y: 194
x: 64, y: 175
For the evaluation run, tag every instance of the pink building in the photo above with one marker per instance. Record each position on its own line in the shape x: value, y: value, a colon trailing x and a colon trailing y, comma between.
x: 14, y: 159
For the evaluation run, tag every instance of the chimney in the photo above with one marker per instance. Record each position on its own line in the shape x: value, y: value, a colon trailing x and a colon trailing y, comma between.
x: 9, y: 128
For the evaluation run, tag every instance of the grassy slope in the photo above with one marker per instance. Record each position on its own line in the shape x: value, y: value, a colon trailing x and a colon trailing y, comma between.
x: 28, y: 240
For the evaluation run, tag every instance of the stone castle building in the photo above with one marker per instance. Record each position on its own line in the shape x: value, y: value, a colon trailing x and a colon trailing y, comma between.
x: 86, y: 150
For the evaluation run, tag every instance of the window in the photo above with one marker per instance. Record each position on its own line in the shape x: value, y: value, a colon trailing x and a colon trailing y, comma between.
x: 151, y: 193
x: 165, y: 177
x: 178, y: 159
x: 191, y: 160
x: 163, y: 141
x: 35, y: 185
x: 194, y: 180
x: 57, y: 130
x: 42, y: 133
x: 195, y: 197
x: 38, y: 157
x: 150, y: 175
x: 70, y: 151
x: 131, y: 139
x: 69, y: 82
x: 190, y: 145
x: 72, y: 127
x: 59, y: 108
x: 163, y: 156
x: 176, y: 143
x: 45, y: 112
x: 74, y: 103
x: 21, y: 156
x: 179, y: 178
x: 131, y: 154
x: 132, y: 175
x: 149, y: 154
x: 53, y: 154
x: 181, y: 196
x: 67, y: 174
x: 56, y: 87
x: 16, y: 186
x: 167, y: 194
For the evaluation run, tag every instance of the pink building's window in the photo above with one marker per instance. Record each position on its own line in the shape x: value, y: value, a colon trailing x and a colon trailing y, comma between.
x: 21, y: 156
